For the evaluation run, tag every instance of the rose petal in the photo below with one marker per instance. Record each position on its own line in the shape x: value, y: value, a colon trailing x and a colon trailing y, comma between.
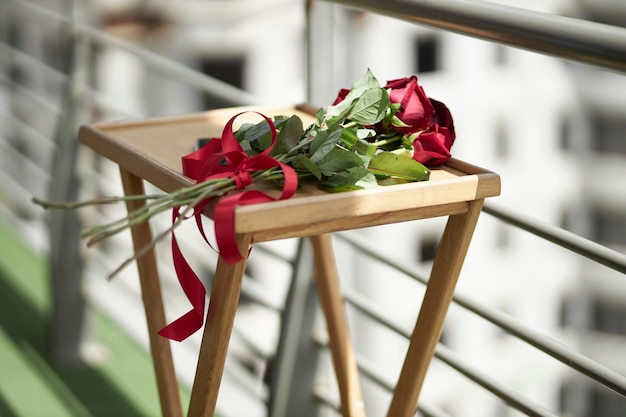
x: 416, y: 109
x: 430, y: 148
x: 341, y: 95
x: 443, y: 118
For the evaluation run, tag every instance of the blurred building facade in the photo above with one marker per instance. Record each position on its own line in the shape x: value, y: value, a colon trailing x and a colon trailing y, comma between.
x: 554, y: 131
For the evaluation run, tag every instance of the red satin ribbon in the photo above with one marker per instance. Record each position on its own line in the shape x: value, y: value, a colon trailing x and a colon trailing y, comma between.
x: 221, y: 158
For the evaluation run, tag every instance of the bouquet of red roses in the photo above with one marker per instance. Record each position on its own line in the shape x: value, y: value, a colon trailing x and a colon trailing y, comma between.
x: 371, y: 135
x: 412, y: 121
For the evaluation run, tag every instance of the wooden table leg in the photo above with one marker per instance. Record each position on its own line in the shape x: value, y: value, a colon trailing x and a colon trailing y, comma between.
x: 217, y: 330
x: 342, y: 351
x: 439, y: 292
x: 167, y: 382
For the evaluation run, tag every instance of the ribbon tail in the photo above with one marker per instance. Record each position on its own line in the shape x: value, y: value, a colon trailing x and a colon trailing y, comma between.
x: 183, y: 327
x: 203, y: 165
x: 224, y: 222
x: 192, y: 321
x: 198, y: 215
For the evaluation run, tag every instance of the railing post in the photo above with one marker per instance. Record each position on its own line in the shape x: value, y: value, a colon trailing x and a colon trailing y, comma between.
x: 294, y: 367
x: 320, y: 62
x: 70, y: 321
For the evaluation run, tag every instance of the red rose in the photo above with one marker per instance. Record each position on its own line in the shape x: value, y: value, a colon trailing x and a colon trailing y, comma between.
x: 428, y: 119
x: 415, y: 107
x: 432, y: 147
x: 341, y: 95
x: 443, y: 117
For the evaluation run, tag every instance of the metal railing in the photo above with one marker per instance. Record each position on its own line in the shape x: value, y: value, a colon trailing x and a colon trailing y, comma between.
x: 568, y: 38
x: 572, y: 39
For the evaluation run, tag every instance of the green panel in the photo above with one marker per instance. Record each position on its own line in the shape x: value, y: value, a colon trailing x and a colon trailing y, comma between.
x: 22, y: 390
x: 31, y: 383
x: 25, y: 269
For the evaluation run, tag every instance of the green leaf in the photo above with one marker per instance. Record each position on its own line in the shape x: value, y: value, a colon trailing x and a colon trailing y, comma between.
x: 254, y: 138
x: 324, y: 142
x: 319, y: 114
x: 364, y: 83
x: 353, y: 139
x: 343, y: 109
x: 289, y: 135
x: 352, y: 179
x: 302, y: 162
x: 349, y: 137
x: 338, y: 160
x: 397, y: 122
x: 370, y: 108
x: 245, y: 145
x: 240, y: 133
x: 386, y: 181
x: 398, y: 165
x: 335, y: 114
x: 257, y: 131
x: 339, y: 111
x: 365, y: 148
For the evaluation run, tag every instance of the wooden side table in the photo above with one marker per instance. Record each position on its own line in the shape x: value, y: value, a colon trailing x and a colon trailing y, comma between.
x: 151, y: 150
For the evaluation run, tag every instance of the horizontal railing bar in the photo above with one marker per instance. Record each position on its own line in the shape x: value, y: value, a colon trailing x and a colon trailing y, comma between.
x: 369, y: 251
x: 239, y: 372
x: 515, y: 399
x: 321, y: 393
x: 14, y: 55
x: 572, y: 39
x: 35, y: 171
x: 31, y: 95
x: 8, y: 213
x: 372, y: 371
x: 19, y: 195
x: 35, y: 133
x: 562, y: 353
x: 567, y: 356
x: 108, y: 104
x: 571, y: 241
x: 30, y: 10
x: 275, y: 254
x: 512, y: 397
x: 255, y: 292
x: 180, y: 72
x: 252, y: 344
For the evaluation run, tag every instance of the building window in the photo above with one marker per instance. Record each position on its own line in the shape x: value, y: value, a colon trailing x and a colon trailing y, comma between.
x: 608, y: 226
x: 227, y: 69
x: 428, y: 246
x: 608, y: 317
x: 593, y: 313
x: 444, y: 338
x: 608, y: 133
x: 502, y: 236
x: 502, y: 140
x: 501, y: 55
x: 605, y: 403
x: 427, y: 50
x: 582, y: 399
x: 565, y: 133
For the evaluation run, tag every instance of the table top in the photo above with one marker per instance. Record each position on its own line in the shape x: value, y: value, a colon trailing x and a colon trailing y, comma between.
x: 152, y: 150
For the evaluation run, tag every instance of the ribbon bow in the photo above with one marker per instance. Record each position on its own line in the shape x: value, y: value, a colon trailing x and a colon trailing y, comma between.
x: 221, y: 158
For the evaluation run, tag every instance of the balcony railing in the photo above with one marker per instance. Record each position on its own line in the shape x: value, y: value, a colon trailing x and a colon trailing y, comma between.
x: 45, y: 94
